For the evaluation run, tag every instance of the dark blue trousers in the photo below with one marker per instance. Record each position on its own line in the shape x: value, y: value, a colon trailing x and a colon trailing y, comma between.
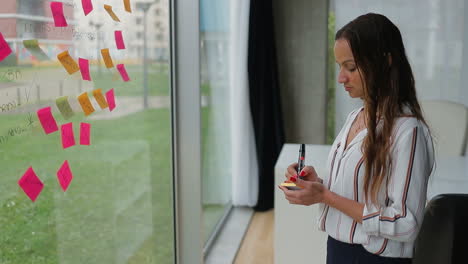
x: 343, y: 253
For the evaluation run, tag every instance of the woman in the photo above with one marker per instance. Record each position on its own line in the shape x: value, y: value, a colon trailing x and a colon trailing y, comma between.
x: 372, y: 201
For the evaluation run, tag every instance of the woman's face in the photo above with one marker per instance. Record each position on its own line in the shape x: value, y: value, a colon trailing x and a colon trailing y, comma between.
x: 348, y: 75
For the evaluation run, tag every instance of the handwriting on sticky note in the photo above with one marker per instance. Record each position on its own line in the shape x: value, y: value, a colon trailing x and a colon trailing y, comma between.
x: 111, y: 13
x: 47, y: 120
x: 32, y: 45
x: 85, y: 103
x: 100, y: 98
x: 110, y: 99
x: 57, y: 13
x: 64, y: 107
x: 107, y: 58
x: 31, y: 184
x: 68, y: 62
x: 68, y: 138
x: 119, y: 39
x: 5, y: 49
x: 84, y: 69
x: 87, y: 6
x: 64, y: 175
x: 85, y: 134
x: 127, y: 6
x: 123, y: 72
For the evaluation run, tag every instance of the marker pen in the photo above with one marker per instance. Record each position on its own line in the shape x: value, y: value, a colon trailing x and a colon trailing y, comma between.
x: 301, y: 160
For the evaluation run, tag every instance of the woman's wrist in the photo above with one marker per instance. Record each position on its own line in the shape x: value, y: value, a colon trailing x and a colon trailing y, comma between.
x: 328, y: 197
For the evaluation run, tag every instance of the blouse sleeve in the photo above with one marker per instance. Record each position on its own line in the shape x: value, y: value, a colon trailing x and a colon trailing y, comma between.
x: 401, y: 217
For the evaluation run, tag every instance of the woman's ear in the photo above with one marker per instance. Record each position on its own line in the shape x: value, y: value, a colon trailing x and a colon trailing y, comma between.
x: 389, y: 57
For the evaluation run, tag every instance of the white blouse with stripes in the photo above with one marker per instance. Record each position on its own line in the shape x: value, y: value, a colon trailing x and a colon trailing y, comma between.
x: 389, y: 229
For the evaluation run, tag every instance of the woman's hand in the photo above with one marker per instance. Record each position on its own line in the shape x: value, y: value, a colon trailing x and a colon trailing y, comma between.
x: 312, y: 192
x: 308, y: 173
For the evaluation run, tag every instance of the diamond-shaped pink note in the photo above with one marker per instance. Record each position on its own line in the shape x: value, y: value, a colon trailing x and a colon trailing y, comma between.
x: 31, y: 184
x: 64, y: 175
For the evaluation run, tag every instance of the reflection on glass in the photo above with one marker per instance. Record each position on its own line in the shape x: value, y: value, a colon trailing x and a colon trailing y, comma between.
x: 118, y: 207
x: 216, y: 156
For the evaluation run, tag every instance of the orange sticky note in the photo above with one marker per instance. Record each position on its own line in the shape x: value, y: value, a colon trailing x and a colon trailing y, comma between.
x: 85, y: 103
x: 111, y: 13
x: 100, y: 98
x: 128, y: 8
x: 68, y: 62
x: 107, y: 58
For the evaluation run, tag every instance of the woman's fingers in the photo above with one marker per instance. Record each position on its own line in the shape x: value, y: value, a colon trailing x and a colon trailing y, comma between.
x: 291, y: 170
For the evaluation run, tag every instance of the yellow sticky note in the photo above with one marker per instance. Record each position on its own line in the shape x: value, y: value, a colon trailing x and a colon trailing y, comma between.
x: 100, y: 98
x: 107, y: 58
x: 85, y: 103
x: 68, y: 62
x: 128, y: 8
x: 111, y: 13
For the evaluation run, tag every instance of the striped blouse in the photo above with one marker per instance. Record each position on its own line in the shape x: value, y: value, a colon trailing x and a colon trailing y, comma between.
x: 389, y: 229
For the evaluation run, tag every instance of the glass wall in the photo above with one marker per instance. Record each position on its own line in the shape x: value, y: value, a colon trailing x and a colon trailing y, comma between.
x: 113, y: 203
x: 216, y: 132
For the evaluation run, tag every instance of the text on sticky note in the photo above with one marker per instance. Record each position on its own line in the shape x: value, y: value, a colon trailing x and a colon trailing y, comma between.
x: 87, y: 6
x: 68, y: 62
x: 5, y: 49
x: 85, y: 134
x: 64, y: 175
x: 123, y: 72
x: 111, y: 13
x: 119, y: 39
x: 107, y: 58
x: 85, y: 103
x: 57, y: 13
x: 47, y: 120
x: 84, y: 69
x: 100, y: 98
x: 64, y: 107
x: 31, y: 184
x: 68, y: 137
x: 32, y: 45
x: 110, y: 99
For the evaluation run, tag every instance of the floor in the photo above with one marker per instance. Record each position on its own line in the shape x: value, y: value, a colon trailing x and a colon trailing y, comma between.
x: 257, y: 246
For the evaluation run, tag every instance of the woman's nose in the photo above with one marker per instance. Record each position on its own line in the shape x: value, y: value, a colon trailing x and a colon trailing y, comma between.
x: 342, y: 78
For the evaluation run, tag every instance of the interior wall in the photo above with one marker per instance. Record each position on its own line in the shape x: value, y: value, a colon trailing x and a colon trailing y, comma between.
x: 301, y: 44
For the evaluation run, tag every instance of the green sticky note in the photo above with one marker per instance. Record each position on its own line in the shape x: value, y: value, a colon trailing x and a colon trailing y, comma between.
x: 32, y: 45
x: 64, y: 107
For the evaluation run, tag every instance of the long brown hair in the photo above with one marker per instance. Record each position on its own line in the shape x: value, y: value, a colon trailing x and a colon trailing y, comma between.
x: 389, y: 88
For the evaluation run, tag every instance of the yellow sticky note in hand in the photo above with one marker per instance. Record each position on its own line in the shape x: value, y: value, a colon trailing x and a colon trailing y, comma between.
x: 85, y: 103
x: 107, y: 58
x: 111, y: 13
x: 68, y: 62
x: 100, y: 98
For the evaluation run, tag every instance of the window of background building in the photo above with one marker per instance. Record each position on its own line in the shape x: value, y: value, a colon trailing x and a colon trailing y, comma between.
x: 118, y: 207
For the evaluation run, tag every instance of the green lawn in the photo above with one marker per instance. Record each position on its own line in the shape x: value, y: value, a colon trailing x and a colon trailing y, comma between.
x: 117, y: 208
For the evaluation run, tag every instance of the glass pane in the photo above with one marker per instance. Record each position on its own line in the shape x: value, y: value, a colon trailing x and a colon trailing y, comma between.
x: 216, y: 135
x: 118, y: 207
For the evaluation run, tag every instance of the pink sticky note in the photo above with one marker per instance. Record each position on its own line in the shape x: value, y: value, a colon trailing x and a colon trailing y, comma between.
x: 47, y: 120
x: 64, y: 175
x: 123, y: 72
x: 119, y: 39
x: 85, y: 131
x: 110, y: 99
x: 5, y: 49
x: 87, y: 6
x: 57, y: 13
x: 84, y: 69
x: 68, y: 138
x: 31, y: 184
